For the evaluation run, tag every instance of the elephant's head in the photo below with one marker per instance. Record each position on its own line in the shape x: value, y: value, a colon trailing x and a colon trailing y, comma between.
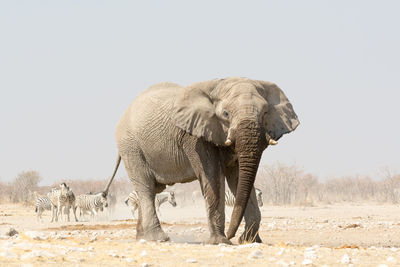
x: 246, y: 114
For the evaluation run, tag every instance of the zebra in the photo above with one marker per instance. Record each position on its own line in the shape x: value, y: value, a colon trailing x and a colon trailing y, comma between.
x: 42, y: 203
x: 230, y: 198
x: 109, y: 204
x: 133, y: 200
x: 61, y: 200
x: 91, y: 203
x: 99, y: 207
x: 70, y: 204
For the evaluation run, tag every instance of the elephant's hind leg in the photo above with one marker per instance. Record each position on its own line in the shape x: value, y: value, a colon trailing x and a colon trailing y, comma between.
x: 148, y: 226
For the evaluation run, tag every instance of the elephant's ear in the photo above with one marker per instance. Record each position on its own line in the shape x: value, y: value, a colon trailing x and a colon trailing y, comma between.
x: 280, y: 118
x: 194, y: 112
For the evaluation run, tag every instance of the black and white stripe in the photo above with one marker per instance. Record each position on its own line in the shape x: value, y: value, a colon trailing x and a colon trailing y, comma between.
x: 91, y: 203
x: 42, y: 203
x: 133, y: 201
x: 60, y: 201
x: 230, y: 198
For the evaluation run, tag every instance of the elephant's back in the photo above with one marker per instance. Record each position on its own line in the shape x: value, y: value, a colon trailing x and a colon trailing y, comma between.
x: 150, y: 110
x: 159, y: 92
x: 161, y: 95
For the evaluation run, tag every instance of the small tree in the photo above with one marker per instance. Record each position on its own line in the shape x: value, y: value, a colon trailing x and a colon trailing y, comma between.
x: 23, y: 186
x: 279, y: 182
x: 390, y: 185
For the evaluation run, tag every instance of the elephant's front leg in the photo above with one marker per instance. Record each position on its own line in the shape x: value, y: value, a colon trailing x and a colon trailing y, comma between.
x: 207, y: 167
x: 252, y: 214
x: 214, y: 194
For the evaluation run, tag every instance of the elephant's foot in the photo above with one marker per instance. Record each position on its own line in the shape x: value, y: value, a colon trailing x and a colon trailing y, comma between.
x: 218, y: 239
x: 249, y: 236
x: 153, y: 235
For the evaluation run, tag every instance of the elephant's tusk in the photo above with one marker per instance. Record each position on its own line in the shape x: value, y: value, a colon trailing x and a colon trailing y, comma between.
x: 272, y: 142
x: 228, y: 142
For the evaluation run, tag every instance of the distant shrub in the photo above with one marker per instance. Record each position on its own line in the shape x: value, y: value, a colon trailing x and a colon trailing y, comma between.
x: 23, y: 186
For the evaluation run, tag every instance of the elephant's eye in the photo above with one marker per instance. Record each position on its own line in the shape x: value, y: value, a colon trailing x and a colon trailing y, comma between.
x: 225, y: 114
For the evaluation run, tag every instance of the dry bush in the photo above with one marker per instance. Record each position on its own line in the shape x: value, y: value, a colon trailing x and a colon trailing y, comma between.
x: 349, y: 188
x: 389, y: 186
x: 281, y: 185
x: 23, y: 186
x: 284, y: 185
x: 289, y: 185
x: 5, y: 192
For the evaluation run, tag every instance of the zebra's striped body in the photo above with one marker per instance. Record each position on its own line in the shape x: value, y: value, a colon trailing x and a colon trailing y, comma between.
x: 133, y: 200
x: 42, y: 203
x: 91, y: 203
x: 60, y: 201
x: 230, y: 198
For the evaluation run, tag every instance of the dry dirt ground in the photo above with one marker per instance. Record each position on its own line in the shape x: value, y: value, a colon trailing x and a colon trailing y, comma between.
x: 331, y: 235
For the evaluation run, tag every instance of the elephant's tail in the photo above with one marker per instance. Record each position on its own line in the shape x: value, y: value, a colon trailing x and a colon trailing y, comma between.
x: 126, y: 201
x: 112, y: 177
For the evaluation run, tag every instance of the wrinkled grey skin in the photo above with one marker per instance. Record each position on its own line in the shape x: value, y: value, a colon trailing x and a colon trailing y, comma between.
x: 173, y: 134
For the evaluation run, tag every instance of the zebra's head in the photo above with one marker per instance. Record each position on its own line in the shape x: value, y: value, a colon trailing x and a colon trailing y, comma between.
x: 171, y: 199
x: 69, y: 191
x: 259, y: 197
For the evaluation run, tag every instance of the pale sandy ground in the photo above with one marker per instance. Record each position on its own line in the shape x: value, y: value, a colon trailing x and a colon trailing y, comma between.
x: 331, y: 235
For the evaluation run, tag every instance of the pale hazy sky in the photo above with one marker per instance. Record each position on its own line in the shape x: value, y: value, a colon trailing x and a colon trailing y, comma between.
x: 69, y: 69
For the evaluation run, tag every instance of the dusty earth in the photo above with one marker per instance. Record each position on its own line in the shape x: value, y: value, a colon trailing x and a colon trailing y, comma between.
x: 331, y: 235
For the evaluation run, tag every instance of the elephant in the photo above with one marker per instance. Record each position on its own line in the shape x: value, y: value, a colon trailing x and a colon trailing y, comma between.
x: 209, y: 131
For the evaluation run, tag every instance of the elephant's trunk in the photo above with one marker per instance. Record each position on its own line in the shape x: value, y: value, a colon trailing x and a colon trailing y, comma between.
x: 249, y: 146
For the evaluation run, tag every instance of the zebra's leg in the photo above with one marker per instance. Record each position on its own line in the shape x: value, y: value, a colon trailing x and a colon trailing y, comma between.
x: 80, y: 214
x: 207, y: 168
x: 53, y: 210
x: 93, y: 213
x: 41, y: 210
x: 52, y: 213
x: 67, y: 211
x: 74, y: 210
x: 84, y: 214
x: 252, y: 214
x: 59, y: 210
x: 39, y: 213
